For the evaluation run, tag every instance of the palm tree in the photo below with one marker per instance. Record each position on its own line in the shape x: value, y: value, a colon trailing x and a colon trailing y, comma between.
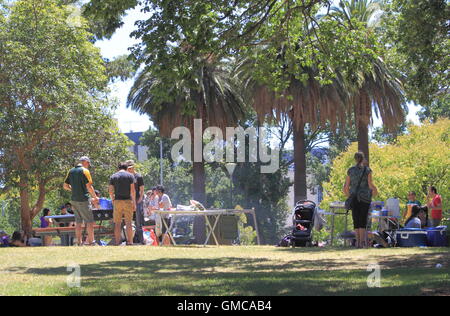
x: 377, y: 90
x: 306, y: 102
x: 209, y: 94
x: 366, y: 11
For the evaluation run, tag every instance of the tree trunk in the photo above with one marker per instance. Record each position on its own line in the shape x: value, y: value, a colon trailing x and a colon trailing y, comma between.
x: 362, y: 116
x: 25, y: 211
x: 300, y: 186
x: 363, y: 139
x: 199, y: 194
x: 199, y: 182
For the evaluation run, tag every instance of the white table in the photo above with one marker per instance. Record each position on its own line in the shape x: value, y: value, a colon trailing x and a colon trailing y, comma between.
x: 216, y: 214
x: 334, y: 208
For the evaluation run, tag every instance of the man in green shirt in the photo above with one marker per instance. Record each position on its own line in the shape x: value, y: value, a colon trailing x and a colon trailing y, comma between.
x: 79, y: 182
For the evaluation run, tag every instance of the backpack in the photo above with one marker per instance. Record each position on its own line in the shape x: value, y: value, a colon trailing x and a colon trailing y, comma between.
x: 4, y: 241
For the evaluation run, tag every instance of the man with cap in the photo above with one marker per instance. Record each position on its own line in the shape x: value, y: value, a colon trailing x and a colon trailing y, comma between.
x: 139, y: 188
x: 79, y: 182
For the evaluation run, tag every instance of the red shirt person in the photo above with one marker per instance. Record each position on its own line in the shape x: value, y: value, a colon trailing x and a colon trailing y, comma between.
x: 435, y: 205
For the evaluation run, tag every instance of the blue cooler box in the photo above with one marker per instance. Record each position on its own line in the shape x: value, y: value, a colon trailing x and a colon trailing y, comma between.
x: 410, y: 237
x: 437, y: 237
x: 105, y: 204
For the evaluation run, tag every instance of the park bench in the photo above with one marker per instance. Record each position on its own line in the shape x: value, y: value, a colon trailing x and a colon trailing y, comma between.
x: 68, y: 231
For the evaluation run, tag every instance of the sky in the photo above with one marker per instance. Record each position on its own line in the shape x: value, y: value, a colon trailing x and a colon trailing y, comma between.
x: 119, y: 44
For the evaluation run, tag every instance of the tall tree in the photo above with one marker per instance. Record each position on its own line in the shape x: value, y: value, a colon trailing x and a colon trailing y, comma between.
x: 52, y: 102
x: 208, y: 92
x: 376, y: 87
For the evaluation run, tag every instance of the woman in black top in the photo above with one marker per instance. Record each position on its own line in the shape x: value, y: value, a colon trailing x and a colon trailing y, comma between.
x: 360, y: 173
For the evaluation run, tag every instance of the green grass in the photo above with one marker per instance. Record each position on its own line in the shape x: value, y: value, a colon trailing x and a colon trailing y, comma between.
x: 223, y: 271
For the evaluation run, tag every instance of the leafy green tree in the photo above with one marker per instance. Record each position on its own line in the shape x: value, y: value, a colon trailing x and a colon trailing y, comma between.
x: 120, y: 68
x: 177, y: 179
x: 152, y: 140
x: 440, y: 107
x: 53, y: 106
x: 9, y: 216
x: 382, y: 136
x: 105, y: 16
x: 416, y: 33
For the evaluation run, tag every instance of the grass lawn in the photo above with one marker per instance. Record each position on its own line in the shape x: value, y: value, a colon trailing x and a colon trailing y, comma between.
x: 188, y: 271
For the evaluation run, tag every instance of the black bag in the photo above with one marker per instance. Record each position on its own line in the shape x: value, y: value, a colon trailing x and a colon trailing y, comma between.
x: 351, y: 201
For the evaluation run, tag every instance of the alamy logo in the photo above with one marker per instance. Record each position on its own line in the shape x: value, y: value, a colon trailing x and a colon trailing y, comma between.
x: 374, y: 278
x: 231, y: 149
x: 74, y: 278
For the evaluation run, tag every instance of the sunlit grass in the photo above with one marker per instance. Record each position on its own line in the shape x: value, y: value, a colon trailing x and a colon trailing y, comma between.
x: 222, y: 271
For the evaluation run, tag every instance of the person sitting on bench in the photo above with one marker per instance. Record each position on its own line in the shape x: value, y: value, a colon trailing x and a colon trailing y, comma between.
x: 45, y: 223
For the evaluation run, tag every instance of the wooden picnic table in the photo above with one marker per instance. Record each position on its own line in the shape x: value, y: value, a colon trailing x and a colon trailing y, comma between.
x: 99, y: 230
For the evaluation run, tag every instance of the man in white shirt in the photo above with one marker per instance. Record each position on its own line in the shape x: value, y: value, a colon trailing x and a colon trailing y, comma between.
x: 164, y: 200
x: 164, y: 204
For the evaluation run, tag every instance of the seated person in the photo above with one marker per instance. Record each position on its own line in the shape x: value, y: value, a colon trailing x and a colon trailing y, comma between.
x: 17, y: 240
x: 418, y: 218
x: 66, y: 240
x: 69, y: 208
x: 424, y: 218
x: 46, y: 223
x: 151, y: 204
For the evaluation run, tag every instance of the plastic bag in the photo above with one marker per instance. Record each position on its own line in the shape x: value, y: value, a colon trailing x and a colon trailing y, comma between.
x: 150, y: 238
x: 319, y: 221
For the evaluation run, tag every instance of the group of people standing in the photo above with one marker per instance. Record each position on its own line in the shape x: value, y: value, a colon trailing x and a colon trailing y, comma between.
x: 359, y: 182
x: 126, y: 190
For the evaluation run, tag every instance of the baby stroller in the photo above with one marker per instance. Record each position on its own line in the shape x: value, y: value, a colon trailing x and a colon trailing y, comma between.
x: 303, y: 220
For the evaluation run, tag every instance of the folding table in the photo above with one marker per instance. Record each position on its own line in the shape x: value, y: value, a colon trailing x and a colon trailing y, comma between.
x: 216, y: 214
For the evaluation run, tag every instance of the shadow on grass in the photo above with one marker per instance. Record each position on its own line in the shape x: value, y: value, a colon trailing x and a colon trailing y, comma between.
x: 262, y: 277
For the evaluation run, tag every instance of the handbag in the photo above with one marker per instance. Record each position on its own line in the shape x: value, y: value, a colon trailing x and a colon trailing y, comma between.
x: 350, y: 202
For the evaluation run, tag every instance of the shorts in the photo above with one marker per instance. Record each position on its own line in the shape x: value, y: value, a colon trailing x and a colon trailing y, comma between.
x: 82, y: 212
x: 123, y: 208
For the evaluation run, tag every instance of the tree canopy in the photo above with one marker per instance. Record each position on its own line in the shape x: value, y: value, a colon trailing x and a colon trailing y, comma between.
x: 53, y: 102
x: 416, y: 33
